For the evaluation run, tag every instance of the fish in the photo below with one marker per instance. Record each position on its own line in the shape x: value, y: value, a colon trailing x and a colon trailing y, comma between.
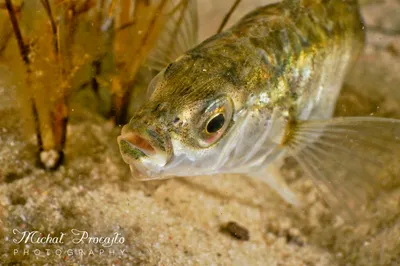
x: 265, y: 89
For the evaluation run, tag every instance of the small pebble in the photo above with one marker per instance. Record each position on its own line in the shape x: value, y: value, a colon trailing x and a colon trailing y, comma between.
x: 235, y: 230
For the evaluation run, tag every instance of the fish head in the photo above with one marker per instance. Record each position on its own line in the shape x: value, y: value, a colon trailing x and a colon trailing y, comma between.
x: 196, y: 122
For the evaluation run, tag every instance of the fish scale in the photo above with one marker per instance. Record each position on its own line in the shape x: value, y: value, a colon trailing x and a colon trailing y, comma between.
x: 246, y: 98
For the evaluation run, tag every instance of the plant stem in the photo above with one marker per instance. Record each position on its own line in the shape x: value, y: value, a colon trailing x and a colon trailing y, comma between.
x: 228, y: 15
x: 24, y: 52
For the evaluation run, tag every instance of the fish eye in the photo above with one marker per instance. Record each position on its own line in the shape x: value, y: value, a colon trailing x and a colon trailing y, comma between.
x: 214, y: 121
x: 215, y: 124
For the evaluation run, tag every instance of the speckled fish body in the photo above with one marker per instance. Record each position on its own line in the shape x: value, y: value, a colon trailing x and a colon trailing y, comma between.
x: 250, y: 95
x: 283, y: 56
x: 286, y: 60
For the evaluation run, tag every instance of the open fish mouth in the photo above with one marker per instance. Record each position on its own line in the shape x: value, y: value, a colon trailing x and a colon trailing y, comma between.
x: 146, y: 150
x: 136, y: 160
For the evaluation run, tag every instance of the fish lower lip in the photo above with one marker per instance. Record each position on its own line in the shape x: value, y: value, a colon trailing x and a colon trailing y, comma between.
x: 138, y: 142
x: 144, y: 145
x: 130, y: 150
x: 132, y: 153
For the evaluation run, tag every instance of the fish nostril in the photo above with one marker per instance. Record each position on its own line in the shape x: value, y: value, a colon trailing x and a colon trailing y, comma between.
x: 139, y: 142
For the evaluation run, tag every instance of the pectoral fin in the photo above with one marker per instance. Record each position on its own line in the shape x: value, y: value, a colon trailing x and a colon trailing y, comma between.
x: 273, y: 177
x: 345, y: 157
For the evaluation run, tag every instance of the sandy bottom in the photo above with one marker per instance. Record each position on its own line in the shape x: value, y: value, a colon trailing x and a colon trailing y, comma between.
x: 185, y: 221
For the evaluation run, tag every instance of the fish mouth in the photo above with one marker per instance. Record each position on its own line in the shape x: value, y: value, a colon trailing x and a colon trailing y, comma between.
x: 147, y: 146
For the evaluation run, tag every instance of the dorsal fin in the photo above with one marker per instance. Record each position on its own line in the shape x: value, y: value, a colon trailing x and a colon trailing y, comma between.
x: 178, y: 35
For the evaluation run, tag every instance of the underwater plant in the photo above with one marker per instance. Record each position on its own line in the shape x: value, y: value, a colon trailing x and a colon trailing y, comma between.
x: 51, y: 49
